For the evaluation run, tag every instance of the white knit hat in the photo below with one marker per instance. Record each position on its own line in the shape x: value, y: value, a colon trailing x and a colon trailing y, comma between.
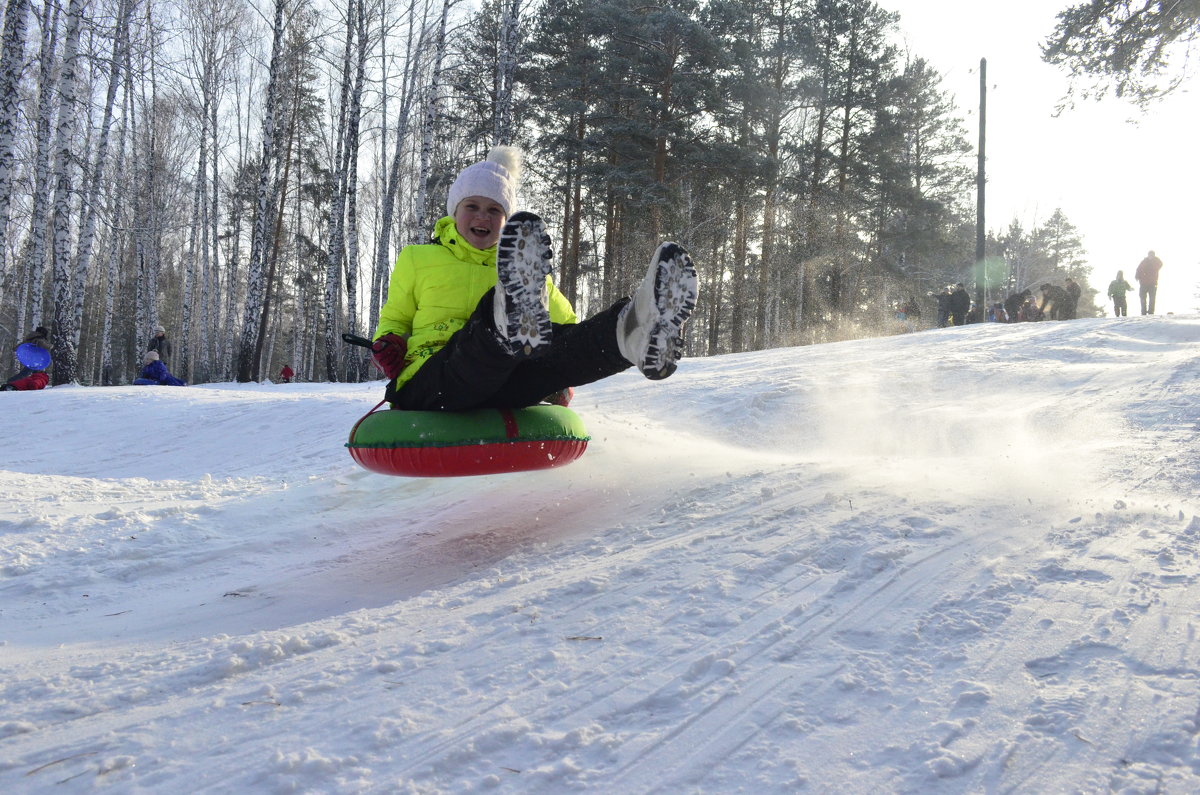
x: 151, y: 356
x: 498, y: 178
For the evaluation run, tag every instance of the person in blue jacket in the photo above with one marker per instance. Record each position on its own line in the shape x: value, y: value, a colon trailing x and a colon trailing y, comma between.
x: 155, y: 373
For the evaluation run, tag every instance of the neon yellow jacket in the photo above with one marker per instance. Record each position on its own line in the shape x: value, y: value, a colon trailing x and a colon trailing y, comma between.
x: 434, y: 289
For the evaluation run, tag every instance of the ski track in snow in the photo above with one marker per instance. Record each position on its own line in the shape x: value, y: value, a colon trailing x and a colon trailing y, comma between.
x: 963, y: 560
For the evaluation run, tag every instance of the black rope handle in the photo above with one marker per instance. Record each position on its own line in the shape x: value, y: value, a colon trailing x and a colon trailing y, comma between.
x: 354, y: 339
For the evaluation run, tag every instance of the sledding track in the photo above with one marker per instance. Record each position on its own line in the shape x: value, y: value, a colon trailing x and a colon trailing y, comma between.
x: 873, y: 562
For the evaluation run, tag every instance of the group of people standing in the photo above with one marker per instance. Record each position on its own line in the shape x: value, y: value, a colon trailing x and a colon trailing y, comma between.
x: 1147, y: 279
x: 1051, y: 302
x: 954, y: 306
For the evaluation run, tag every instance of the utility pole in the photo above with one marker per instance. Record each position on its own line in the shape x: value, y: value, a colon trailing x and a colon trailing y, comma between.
x: 980, y: 183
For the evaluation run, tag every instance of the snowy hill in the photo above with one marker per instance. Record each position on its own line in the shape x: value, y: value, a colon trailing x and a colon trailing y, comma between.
x: 958, y: 560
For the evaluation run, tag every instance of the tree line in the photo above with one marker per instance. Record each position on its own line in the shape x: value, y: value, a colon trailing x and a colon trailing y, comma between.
x: 245, y: 174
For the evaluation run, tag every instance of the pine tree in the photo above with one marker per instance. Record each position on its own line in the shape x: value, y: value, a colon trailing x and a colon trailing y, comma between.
x: 1125, y: 46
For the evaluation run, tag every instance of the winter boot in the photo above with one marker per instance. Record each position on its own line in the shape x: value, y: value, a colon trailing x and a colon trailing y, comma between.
x: 523, y: 261
x: 650, y: 327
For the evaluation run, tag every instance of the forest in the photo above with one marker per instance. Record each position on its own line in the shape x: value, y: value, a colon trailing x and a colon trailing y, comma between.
x: 244, y: 175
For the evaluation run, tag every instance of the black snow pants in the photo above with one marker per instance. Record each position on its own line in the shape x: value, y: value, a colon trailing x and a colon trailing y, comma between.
x: 474, y: 371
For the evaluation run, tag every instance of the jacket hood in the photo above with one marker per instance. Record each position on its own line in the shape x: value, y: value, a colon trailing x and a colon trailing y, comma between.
x: 445, y: 234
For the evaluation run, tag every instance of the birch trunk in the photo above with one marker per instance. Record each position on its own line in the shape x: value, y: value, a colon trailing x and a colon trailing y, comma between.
x: 62, y: 334
x: 114, y: 213
x: 34, y: 251
x: 12, y: 57
x: 506, y: 70
x: 391, y: 185
x: 337, y: 207
x: 432, y: 120
x: 258, y: 241
x: 353, y: 124
x: 88, y: 233
x: 189, y: 266
x: 234, y: 254
x: 212, y: 302
x: 278, y: 199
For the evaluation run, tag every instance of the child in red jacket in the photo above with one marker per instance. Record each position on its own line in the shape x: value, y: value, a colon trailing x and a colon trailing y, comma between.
x: 30, y: 378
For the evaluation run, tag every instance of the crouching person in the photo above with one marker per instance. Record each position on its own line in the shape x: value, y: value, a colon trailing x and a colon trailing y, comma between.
x: 32, y: 381
x: 31, y: 376
x: 155, y: 373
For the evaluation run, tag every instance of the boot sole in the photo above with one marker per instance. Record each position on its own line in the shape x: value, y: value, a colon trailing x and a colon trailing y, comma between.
x: 523, y: 261
x: 676, y: 288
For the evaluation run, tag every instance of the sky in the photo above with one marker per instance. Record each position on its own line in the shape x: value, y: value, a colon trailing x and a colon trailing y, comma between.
x: 1126, y: 180
x: 957, y: 560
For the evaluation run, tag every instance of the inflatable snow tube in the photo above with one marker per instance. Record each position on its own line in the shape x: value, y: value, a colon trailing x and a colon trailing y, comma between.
x: 430, y: 444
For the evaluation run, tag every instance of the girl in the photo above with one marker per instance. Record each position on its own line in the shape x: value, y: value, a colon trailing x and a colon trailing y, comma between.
x: 473, y: 320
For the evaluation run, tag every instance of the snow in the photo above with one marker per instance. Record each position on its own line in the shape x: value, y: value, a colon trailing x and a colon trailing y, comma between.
x: 956, y: 560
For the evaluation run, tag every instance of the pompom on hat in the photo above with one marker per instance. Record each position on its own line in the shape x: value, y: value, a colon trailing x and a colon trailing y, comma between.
x: 498, y: 178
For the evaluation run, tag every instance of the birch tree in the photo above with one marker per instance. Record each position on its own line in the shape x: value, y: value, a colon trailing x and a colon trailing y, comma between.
x: 353, y: 124
x: 343, y: 244
x: 432, y: 121
x: 115, y: 214
x: 33, y: 253
x: 12, y: 57
x: 64, y: 333
x: 392, y: 176
x: 255, y: 285
x: 214, y: 39
x: 507, y: 57
x: 97, y: 177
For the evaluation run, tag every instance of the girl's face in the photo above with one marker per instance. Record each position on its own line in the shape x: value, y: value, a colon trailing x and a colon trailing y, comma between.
x: 479, y: 220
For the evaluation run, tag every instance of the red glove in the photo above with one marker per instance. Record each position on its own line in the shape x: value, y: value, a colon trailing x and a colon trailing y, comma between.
x: 562, y: 397
x: 388, y: 354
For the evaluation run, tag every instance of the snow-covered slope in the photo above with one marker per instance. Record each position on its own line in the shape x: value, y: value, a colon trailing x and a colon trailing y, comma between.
x: 959, y: 560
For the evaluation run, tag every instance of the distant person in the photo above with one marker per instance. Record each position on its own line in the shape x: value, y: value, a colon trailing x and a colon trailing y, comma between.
x: 160, y: 344
x: 1054, y: 302
x: 29, y: 378
x: 1071, y: 305
x: 1116, y: 291
x: 155, y: 373
x: 1147, y: 279
x: 943, y: 302
x: 907, y: 314
x: 997, y: 314
x: 960, y: 305
x: 286, y: 374
x: 1014, y: 304
x: 1029, y: 311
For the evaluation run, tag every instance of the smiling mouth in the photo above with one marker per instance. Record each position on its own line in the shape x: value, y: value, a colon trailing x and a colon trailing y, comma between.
x: 481, y: 231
